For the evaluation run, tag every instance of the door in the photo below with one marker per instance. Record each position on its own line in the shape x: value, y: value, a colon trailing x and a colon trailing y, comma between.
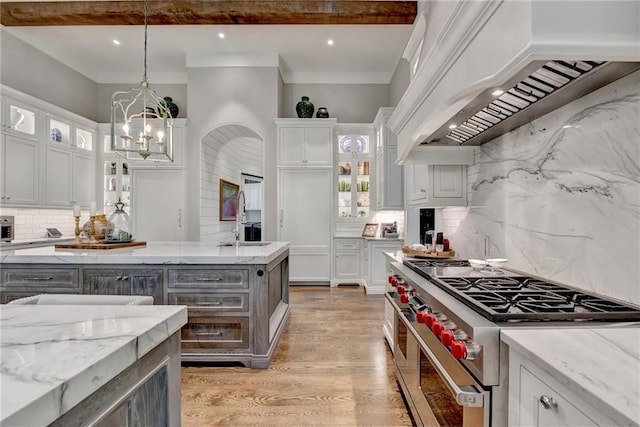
x: 157, y: 206
x: 20, y: 171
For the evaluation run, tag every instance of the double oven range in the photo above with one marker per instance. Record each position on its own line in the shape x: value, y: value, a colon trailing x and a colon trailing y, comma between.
x: 450, y: 363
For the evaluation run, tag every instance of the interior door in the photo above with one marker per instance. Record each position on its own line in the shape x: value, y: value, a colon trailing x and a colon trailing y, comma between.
x: 157, y: 204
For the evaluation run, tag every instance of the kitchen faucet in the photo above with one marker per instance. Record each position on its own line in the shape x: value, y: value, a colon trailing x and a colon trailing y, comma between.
x: 240, y: 215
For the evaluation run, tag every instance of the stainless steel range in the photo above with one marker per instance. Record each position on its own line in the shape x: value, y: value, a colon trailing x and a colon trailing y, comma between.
x: 448, y: 323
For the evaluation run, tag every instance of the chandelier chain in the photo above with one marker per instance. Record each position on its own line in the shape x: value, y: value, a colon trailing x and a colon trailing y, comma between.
x: 145, y: 40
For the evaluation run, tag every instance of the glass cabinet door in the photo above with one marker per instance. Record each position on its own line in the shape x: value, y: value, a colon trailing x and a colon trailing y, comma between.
x: 353, y: 176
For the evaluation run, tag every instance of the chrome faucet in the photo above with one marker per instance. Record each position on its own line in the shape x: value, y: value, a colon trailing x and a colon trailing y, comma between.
x: 241, y: 218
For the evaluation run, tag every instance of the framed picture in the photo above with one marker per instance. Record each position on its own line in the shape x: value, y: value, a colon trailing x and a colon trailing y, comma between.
x: 369, y: 230
x: 228, y: 200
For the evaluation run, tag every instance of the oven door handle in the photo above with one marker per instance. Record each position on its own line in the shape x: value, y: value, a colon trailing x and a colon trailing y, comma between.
x: 466, y: 395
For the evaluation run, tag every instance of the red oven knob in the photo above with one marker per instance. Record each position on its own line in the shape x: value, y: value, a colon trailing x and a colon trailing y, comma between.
x: 429, y: 318
x: 437, y: 328
x: 404, y: 298
x: 391, y: 279
x: 400, y: 289
x: 459, y: 349
x: 420, y: 316
x: 446, y: 337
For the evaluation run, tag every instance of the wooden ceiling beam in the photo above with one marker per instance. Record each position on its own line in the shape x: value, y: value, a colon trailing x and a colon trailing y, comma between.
x: 199, y: 12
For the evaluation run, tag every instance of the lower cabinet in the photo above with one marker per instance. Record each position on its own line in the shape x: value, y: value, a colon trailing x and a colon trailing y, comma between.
x: 23, y: 281
x: 375, y: 263
x: 148, y: 282
x: 537, y: 399
x: 347, y: 260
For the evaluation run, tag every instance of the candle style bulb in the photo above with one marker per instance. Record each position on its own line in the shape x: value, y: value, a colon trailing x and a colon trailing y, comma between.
x: 160, y: 135
x: 125, y: 128
x: 147, y: 128
x: 92, y: 209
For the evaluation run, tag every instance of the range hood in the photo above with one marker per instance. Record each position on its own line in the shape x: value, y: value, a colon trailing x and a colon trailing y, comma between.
x: 527, y: 96
x: 541, y: 54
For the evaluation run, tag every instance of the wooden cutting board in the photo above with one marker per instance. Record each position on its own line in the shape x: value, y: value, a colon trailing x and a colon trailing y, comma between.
x: 97, y: 245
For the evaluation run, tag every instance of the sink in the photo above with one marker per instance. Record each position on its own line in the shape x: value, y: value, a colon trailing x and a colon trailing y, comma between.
x: 244, y: 244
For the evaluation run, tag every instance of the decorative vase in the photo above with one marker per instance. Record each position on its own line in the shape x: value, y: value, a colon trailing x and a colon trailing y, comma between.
x: 102, y: 227
x: 17, y: 117
x: 322, y: 113
x: 169, y: 105
x: 304, y: 108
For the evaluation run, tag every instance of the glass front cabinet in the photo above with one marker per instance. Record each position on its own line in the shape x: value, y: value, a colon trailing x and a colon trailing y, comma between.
x: 354, y: 172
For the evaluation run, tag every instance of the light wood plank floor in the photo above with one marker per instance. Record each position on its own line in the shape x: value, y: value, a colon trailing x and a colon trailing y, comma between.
x: 332, y: 368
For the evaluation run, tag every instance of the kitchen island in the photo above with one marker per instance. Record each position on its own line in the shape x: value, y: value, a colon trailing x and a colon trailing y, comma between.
x: 237, y: 295
x: 72, y: 365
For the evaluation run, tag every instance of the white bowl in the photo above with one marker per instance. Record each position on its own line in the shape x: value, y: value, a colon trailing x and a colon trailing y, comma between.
x: 477, y: 263
x: 496, y: 262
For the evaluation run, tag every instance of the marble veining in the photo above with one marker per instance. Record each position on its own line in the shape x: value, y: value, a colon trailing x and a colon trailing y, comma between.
x: 560, y: 196
x: 602, y: 365
x: 153, y: 253
x: 52, y: 357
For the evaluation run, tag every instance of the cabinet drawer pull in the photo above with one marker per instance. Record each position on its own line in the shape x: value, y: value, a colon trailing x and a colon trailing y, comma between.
x: 125, y: 277
x: 209, y: 279
x: 209, y: 334
x: 39, y: 279
x: 209, y: 303
x: 548, y: 402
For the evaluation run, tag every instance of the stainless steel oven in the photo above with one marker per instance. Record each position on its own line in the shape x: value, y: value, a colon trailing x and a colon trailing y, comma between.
x: 450, y: 363
x: 7, y: 228
x: 439, y: 391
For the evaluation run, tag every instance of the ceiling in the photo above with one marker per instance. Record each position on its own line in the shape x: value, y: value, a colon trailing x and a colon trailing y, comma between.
x: 366, y: 47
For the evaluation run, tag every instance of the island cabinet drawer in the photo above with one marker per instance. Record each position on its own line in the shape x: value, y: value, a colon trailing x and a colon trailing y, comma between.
x: 209, y: 278
x: 40, y: 277
x: 216, y: 332
x: 202, y: 302
x: 347, y: 244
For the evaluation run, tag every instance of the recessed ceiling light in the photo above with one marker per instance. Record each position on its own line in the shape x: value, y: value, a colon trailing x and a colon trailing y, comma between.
x: 497, y: 92
x: 453, y: 126
x: 116, y: 42
x: 566, y: 126
x: 221, y: 35
x: 330, y: 42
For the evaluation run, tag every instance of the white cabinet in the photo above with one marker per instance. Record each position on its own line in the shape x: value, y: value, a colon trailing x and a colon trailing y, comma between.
x: 304, y: 211
x: 20, y: 161
x: 19, y: 119
x: 389, y: 187
x: 347, y: 260
x: 538, y: 399
x: 354, y: 172
x: 375, y: 263
x: 305, y: 142
x: 437, y: 185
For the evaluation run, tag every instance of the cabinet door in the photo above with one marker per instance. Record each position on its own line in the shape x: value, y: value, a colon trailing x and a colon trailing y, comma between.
x: 103, y: 282
x: 347, y: 265
x: 291, y: 146
x: 20, y: 171
x: 145, y: 282
x: 392, y: 181
x: 318, y: 147
x: 532, y: 413
x: 447, y: 181
x: 418, y: 179
x: 58, y: 187
x: 83, y: 179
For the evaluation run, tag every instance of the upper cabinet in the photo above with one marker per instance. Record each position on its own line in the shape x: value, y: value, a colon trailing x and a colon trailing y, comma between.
x: 436, y: 185
x: 305, y: 142
x: 354, y: 144
x: 389, y: 176
x: 20, y: 162
x: 18, y: 118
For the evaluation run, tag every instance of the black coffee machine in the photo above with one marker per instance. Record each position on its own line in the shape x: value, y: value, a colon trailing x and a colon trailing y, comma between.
x: 427, y: 222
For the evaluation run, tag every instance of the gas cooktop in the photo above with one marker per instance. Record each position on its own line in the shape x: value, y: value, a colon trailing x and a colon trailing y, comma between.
x: 522, y: 298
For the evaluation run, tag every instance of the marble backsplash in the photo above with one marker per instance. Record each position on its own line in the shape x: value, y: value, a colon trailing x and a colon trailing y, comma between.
x: 560, y: 196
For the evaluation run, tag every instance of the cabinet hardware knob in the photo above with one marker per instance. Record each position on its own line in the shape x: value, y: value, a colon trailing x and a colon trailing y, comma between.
x: 125, y: 277
x: 548, y: 402
x: 39, y: 279
x: 209, y: 334
x: 118, y: 277
x: 208, y: 279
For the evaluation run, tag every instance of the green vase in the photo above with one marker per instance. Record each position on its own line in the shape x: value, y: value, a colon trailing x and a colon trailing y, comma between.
x: 169, y: 105
x: 304, y: 108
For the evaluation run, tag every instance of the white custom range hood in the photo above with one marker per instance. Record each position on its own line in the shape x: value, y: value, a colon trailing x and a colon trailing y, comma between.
x: 489, y: 67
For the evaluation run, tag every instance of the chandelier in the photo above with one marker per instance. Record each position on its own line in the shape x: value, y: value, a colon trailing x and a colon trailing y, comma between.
x: 141, y: 123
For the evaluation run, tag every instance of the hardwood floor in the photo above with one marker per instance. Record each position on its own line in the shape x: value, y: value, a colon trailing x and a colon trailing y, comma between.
x: 332, y: 368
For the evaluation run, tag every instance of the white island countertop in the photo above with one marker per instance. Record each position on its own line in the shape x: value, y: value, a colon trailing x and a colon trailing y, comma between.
x: 152, y: 253
x: 601, y: 365
x: 53, y: 357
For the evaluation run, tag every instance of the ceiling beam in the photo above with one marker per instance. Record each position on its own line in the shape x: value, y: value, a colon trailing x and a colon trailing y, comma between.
x: 199, y: 12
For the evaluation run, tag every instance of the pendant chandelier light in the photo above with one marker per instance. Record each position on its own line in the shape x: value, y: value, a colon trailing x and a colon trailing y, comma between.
x: 141, y: 123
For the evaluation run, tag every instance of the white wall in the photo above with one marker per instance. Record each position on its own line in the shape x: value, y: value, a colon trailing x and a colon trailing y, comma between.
x: 224, y: 159
x: 32, y: 224
x: 560, y: 196
x: 29, y: 70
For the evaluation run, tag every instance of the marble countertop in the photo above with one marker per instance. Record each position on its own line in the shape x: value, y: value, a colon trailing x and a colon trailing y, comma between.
x: 53, y: 358
x: 152, y: 253
x: 600, y: 365
x: 25, y: 243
